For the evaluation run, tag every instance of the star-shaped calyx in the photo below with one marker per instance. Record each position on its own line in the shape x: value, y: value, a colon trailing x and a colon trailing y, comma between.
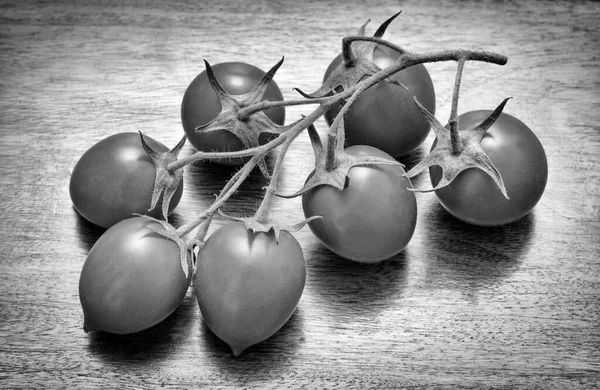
x: 256, y: 225
x: 357, y: 63
x: 470, y: 155
x: 247, y: 128
x: 333, y: 163
x: 166, y: 182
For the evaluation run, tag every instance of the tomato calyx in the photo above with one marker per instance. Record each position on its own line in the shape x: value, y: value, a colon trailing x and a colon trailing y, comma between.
x: 332, y: 163
x: 233, y: 118
x: 167, y: 181
x: 455, y: 152
x: 253, y: 224
x: 169, y: 232
x: 357, y: 64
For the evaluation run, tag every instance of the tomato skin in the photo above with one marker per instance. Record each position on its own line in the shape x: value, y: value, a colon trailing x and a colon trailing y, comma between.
x: 517, y: 154
x: 115, y: 178
x: 372, y: 219
x: 201, y: 105
x: 387, y: 117
x: 248, y: 285
x: 132, y: 279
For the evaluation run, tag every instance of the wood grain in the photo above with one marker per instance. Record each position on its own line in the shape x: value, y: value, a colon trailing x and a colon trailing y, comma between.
x: 509, y: 307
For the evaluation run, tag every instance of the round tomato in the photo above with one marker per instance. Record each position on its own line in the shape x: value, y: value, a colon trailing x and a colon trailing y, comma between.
x: 132, y: 279
x: 385, y: 116
x: 520, y: 158
x: 115, y: 178
x: 248, y: 284
x: 372, y: 219
x: 201, y: 105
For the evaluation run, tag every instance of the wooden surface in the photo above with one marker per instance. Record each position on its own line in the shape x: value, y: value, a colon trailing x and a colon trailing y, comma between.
x: 509, y: 307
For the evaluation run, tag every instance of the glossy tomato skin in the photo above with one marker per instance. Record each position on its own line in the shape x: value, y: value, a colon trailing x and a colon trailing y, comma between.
x: 115, y: 178
x: 386, y: 117
x: 248, y: 285
x: 201, y: 105
x: 372, y: 219
x: 132, y: 279
x: 520, y: 158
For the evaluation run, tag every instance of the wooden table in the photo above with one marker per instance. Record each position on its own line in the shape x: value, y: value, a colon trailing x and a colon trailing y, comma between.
x: 508, y: 307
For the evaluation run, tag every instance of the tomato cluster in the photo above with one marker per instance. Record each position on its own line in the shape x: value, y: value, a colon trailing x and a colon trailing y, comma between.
x: 486, y: 168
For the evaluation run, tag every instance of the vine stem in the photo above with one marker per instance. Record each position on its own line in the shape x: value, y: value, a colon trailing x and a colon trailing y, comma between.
x: 200, y: 155
x: 267, y: 104
x: 336, y: 135
x: 230, y: 188
x: 457, y: 146
x: 408, y: 58
x: 236, y: 180
x: 405, y: 60
x: 349, y: 59
x: 262, y: 214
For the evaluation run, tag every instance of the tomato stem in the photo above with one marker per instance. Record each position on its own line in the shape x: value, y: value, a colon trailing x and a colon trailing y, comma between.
x: 200, y: 155
x: 457, y: 146
x: 230, y: 188
x: 267, y: 104
x: 445, y: 55
x: 330, y: 159
x: 262, y: 214
x: 405, y: 60
x: 348, y: 56
x: 336, y: 136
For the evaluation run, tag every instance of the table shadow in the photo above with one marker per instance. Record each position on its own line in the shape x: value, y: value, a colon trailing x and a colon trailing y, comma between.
x: 204, y: 180
x: 411, y: 159
x: 260, y: 359
x: 352, y: 289
x: 87, y: 232
x: 154, y: 344
x: 472, y: 258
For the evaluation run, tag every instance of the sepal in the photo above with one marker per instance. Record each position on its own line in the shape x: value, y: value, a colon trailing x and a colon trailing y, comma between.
x: 472, y: 154
x: 166, y: 182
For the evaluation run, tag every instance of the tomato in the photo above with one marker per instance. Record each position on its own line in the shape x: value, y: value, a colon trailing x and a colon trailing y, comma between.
x: 132, y: 279
x: 372, y: 219
x: 115, y: 178
x: 385, y: 116
x: 520, y: 159
x: 201, y: 105
x: 247, y: 284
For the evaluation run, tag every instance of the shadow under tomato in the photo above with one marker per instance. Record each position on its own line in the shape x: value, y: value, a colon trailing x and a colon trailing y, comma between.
x: 412, y: 159
x: 259, y: 359
x: 348, y: 287
x: 472, y: 258
x: 153, y: 344
x: 87, y: 232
